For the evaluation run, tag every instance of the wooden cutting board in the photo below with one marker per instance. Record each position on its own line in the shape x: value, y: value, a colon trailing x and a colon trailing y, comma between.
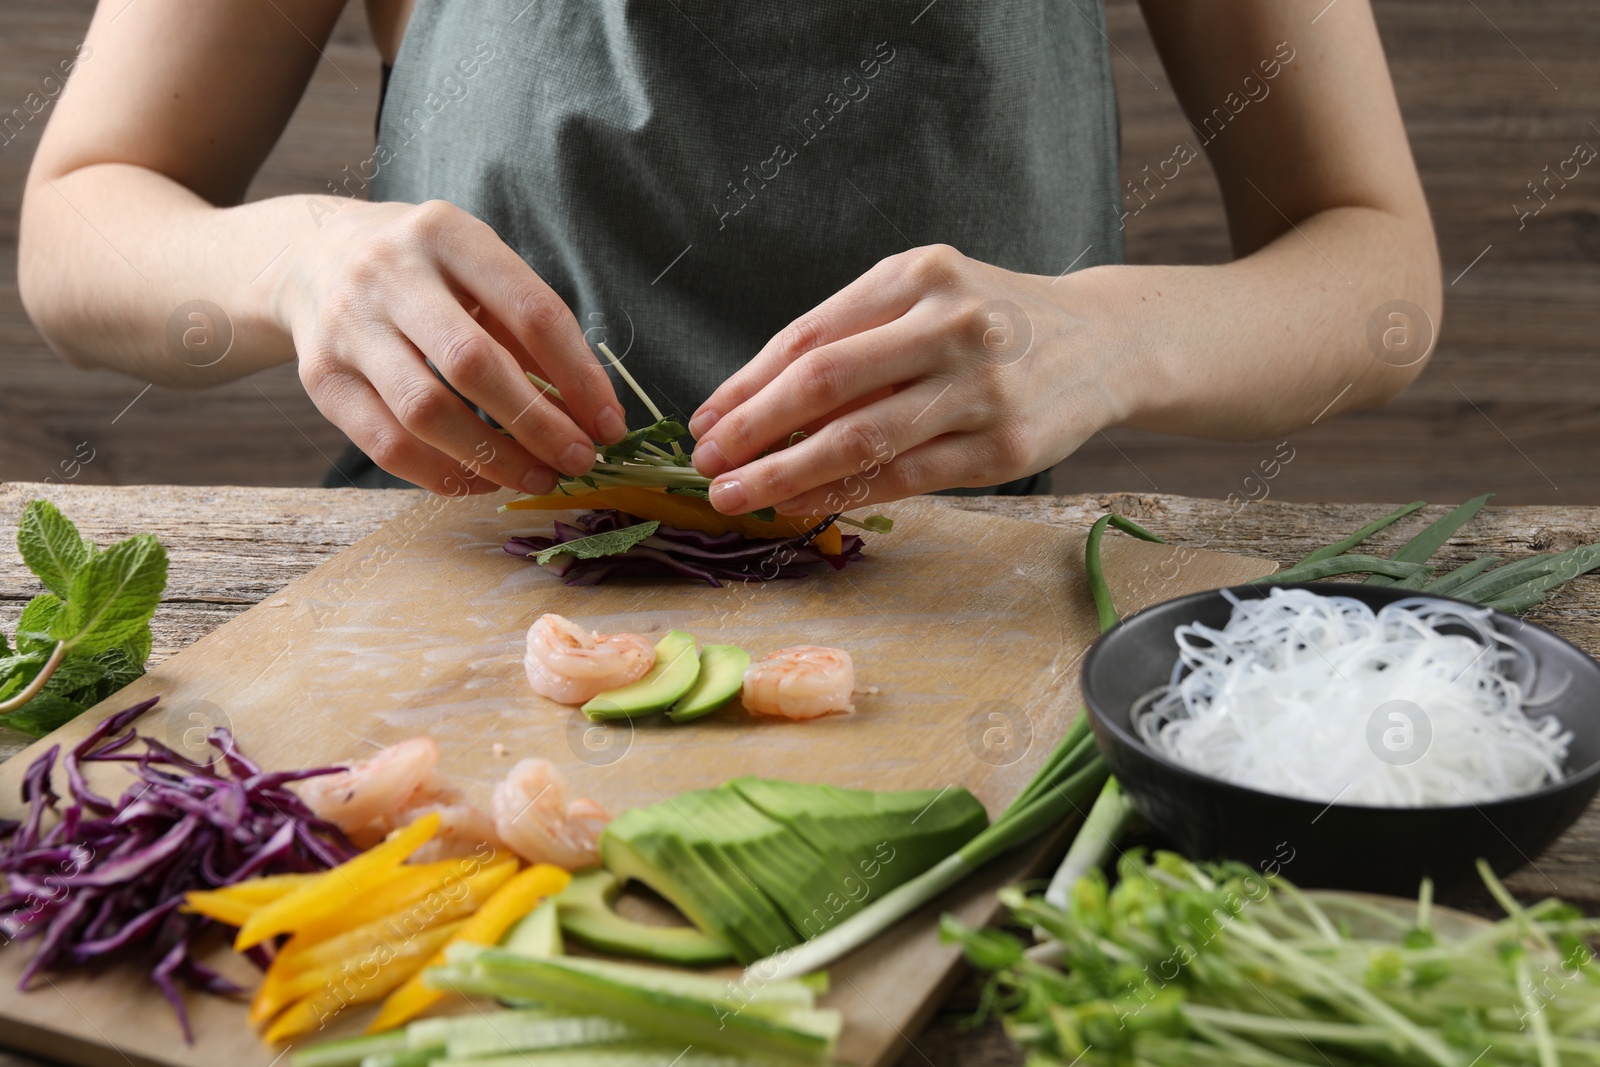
x: 966, y: 629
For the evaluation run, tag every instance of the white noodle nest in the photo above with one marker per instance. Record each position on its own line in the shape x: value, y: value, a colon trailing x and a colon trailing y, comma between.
x: 1282, y: 699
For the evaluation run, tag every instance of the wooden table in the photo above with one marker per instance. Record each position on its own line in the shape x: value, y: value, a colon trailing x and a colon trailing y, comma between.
x: 231, y: 547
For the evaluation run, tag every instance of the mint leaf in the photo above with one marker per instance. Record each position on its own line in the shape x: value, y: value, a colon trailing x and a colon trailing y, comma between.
x: 75, y: 672
x: 18, y: 671
x: 43, y: 713
x: 610, y: 543
x: 33, y: 628
x: 136, y: 648
x: 50, y: 545
x: 113, y: 595
x: 120, y: 669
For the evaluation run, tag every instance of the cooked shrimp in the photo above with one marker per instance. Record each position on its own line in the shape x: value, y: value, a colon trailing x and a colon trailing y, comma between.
x: 569, y: 664
x: 803, y: 682
x: 373, y: 789
x: 534, y: 817
x: 463, y: 827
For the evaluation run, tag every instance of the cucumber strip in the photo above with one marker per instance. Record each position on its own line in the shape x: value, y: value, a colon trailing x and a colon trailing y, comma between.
x: 645, y: 998
x: 498, y: 1035
x: 1426, y: 543
x: 408, y: 1058
x: 435, y: 1034
x: 772, y: 997
x: 1446, y: 584
x: 350, y: 1051
x: 637, y: 1055
x: 1339, y: 547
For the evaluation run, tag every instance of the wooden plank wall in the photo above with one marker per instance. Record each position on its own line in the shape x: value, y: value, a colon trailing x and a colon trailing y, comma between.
x: 1493, y: 91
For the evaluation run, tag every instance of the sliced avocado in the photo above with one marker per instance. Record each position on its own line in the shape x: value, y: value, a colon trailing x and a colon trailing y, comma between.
x: 647, y: 844
x: 721, y: 677
x: 674, y: 672
x: 537, y: 933
x: 588, y: 913
x: 881, y: 839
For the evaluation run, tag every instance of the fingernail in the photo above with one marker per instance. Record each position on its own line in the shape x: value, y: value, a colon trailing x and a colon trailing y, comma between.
x: 703, y: 420
x: 708, y: 459
x: 612, y: 426
x: 728, y: 497
x: 538, y: 483
x: 577, y: 459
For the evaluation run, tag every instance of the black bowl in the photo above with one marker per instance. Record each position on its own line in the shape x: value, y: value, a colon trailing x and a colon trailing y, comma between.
x: 1345, y: 846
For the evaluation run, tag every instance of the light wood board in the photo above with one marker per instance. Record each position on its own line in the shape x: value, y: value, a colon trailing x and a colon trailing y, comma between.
x: 969, y: 629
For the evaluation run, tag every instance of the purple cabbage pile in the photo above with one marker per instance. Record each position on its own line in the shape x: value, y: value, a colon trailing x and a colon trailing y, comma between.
x: 710, y: 558
x: 105, y: 879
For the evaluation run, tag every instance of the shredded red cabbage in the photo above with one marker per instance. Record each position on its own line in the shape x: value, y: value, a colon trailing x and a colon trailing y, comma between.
x: 706, y: 557
x: 106, y: 878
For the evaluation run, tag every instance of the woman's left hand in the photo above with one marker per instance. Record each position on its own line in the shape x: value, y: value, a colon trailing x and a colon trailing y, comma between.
x: 928, y: 372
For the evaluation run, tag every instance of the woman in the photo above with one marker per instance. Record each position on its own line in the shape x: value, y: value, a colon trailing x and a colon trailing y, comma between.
x: 894, y: 225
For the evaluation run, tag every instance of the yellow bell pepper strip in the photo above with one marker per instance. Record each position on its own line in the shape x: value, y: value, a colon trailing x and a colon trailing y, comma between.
x: 338, y: 887
x: 360, y: 981
x: 234, y: 904
x: 407, y: 883
x: 296, y: 973
x: 513, y: 900
x: 266, y: 889
x: 684, y: 512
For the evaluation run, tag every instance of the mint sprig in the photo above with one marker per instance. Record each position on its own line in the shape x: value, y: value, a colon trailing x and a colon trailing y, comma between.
x: 609, y: 543
x: 89, y: 634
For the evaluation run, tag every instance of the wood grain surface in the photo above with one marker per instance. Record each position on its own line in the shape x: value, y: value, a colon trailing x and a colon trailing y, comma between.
x: 1492, y: 91
x: 966, y: 629
x: 232, y: 547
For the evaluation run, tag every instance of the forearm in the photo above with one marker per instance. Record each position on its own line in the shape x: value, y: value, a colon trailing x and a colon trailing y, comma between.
x: 1270, y: 342
x: 110, y: 253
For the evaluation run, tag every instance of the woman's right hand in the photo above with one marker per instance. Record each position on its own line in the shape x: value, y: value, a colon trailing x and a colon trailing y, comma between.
x: 378, y: 288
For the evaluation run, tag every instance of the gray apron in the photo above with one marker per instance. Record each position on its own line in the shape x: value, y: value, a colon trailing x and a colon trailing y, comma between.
x: 692, y: 175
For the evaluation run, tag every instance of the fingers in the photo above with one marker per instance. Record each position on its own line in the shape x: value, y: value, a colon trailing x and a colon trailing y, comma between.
x: 480, y: 368
x: 472, y: 254
x: 863, y: 441
x: 355, y: 407
x: 883, y: 294
x: 949, y: 460
x: 819, y: 383
x: 437, y: 417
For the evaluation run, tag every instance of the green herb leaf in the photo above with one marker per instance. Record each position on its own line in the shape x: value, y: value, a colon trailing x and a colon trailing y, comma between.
x: 113, y: 596
x: 17, y: 671
x: 698, y: 492
x: 610, y: 543
x: 75, y: 672
x: 33, y: 628
x: 45, y: 712
x: 50, y: 545
x: 135, y: 648
x: 765, y: 514
x: 878, y: 523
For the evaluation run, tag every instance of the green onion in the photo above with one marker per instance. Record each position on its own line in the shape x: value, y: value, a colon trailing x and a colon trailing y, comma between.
x: 1362, y: 534
x: 1353, y: 564
x: 1449, y: 582
x: 1426, y: 543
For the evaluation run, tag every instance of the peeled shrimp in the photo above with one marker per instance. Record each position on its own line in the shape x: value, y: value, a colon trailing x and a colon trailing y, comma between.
x: 534, y: 817
x: 371, y: 790
x: 570, y: 665
x: 802, y: 682
x: 463, y: 827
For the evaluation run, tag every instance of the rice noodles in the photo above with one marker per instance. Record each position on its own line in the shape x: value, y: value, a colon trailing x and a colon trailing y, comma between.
x: 1420, y: 704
